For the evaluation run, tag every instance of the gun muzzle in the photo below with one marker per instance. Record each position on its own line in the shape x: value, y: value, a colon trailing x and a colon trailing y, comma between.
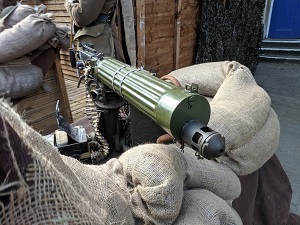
x: 171, y: 107
x: 205, y: 141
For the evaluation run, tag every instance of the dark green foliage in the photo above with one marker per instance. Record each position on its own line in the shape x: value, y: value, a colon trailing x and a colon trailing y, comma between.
x: 230, y: 30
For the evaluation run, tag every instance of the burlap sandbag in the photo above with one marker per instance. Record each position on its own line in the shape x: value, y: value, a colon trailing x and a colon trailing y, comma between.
x: 25, y: 36
x: 145, y: 186
x: 62, y: 34
x: 60, y: 39
x: 19, y: 78
x: 158, y: 177
x: 15, y: 14
x: 208, y: 76
x: 41, y: 187
x: 240, y: 110
x: 199, y: 207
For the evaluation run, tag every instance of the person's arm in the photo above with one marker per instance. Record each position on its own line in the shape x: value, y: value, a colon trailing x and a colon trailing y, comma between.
x: 84, y: 12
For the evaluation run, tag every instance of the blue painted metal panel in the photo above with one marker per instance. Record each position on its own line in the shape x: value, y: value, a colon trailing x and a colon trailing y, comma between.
x: 285, y: 19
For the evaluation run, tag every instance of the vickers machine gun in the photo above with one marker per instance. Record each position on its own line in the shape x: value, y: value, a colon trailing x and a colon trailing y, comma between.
x: 115, y: 90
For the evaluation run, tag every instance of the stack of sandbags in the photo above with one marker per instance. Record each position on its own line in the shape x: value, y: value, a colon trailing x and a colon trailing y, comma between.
x: 12, y: 15
x: 19, y: 78
x: 150, y: 183
x: 39, y: 186
x: 25, y: 36
x: 24, y: 29
x: 168, y: 186
x: 240, y: 110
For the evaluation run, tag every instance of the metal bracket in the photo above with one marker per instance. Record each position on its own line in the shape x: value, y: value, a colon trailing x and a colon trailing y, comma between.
x: 78, y: 134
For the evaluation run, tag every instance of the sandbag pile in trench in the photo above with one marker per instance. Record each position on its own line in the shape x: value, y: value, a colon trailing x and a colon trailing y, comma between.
x: 26, y: 31
x: 150, y: 183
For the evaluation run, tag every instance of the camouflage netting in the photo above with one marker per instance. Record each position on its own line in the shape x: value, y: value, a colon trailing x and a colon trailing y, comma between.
x: 230, y: 30
x: 150, y: 183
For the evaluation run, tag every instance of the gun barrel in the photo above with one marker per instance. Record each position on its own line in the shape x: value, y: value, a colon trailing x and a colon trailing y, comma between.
x: 169, y: 106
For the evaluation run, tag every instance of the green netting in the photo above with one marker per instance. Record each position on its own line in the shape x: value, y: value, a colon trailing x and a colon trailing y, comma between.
x: 230, y: 30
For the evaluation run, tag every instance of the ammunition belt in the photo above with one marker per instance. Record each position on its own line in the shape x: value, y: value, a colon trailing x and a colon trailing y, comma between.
x: 98, y: 147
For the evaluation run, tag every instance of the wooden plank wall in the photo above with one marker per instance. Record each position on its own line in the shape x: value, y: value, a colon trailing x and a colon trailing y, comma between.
x: 76, y: 96
x: 38, y: 109
x: 166, y: 34
x: 188, y: 32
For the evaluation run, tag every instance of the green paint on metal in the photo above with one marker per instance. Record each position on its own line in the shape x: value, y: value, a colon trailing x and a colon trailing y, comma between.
x: 169, y: 106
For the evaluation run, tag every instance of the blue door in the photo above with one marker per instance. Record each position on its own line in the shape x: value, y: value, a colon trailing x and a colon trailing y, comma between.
x: 285, y: 19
